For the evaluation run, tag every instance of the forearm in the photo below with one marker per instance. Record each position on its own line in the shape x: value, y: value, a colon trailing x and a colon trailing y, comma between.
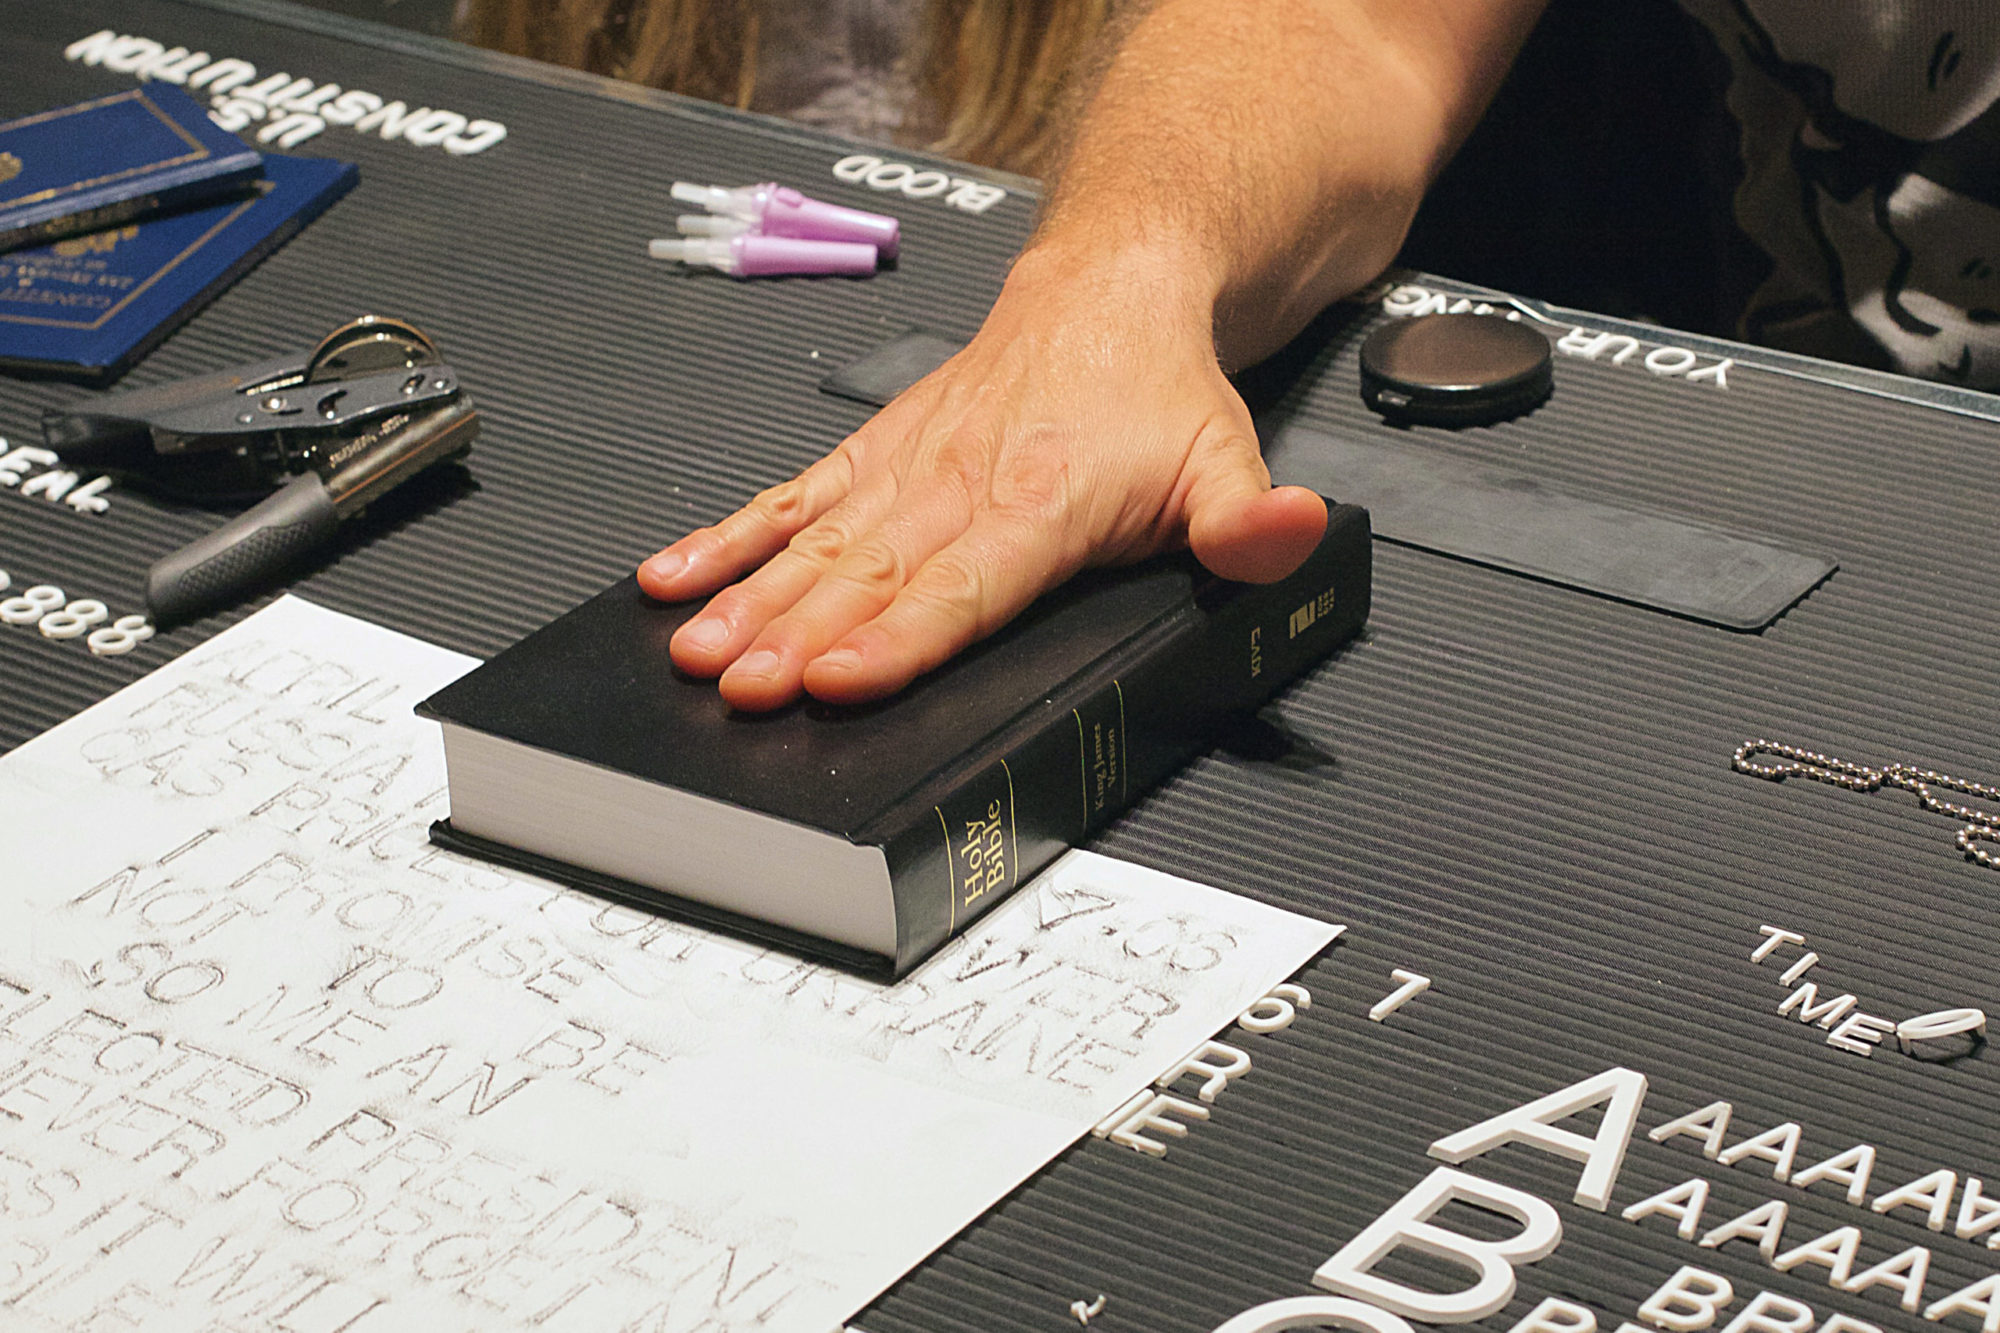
x: 1249, y: 161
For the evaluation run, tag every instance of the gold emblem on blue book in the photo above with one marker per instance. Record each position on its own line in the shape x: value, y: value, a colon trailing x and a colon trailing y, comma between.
x: 10, y: 167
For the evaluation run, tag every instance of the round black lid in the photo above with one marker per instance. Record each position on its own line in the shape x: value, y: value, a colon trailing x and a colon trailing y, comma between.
x: 1455, y: 370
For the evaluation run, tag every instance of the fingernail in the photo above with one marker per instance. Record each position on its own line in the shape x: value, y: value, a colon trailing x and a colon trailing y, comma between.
x: 840, y: 659
x: 666, y: 565
x: 763, y: 662
x: 707, y: 634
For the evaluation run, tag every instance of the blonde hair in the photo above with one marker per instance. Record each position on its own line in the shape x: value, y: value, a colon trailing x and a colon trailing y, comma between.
x: 998, y: 78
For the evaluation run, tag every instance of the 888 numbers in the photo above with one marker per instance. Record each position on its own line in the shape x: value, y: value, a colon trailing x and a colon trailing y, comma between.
x: 48, y: 609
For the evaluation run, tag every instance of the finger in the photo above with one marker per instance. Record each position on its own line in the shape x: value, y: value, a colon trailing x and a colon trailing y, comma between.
x: 960, y: 595
x: 734, y: 617
x: 709, y: 558
x: 1237, y: 525
x: 856, y: 587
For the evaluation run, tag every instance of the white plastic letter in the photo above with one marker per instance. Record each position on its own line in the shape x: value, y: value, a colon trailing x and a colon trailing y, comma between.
x: 1806, y: 997
x: 1276, y: 1010
x: 350, y: 107
x: 1764, y: 1224
x: 974, y: 197
x: 1834, y: 1252
x: 1348, y: 1273
x: 1937, y: 1027
x: 390, y: 120
x: 53, y: 484
x: 14, y: 464
x: 1152, y: 1114
x: 223, y: 76
x: 1404, y: 300
x: 1583, y: 342
x: 1773, y: 937
x: 1977, y: 1214
x: 1670, y: 361
x: 1684, y: 1203
x: 1719, y: 372
x: 1860, y: 1033
x: 1778, y: 1145
x: 131, y: 52
x: 1932, y: 1193
x: 1411, y: 986
x: 1982, y: 1298
x: 1708, y: 1124
x: 1852, y: 1167
x: 291, y: 129
x: 1768, y: 1312
x: 1688, y: 1302
x: 90, y: 50
x: 1905, y: 1272
x: 1806, y: 962
x: 1234, y: 1064
x: 479, y: 136
x: 855, y: 168
x: 89, y: 499
x: 434, y: 128
x: 1602, y: 1154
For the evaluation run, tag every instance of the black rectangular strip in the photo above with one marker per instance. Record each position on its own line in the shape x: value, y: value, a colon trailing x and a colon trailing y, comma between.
x: 891, y: 368
x: 1509, y: 520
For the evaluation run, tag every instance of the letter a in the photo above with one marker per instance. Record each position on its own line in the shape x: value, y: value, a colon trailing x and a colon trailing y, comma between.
x: 1905, y: 1272
x: 1708, y: 1124
x: 1932, y: 1193
x: 1981, y: 1300
x: 1407, y: 1223
x: 1683, y: 1203
x: 1602, y: 1155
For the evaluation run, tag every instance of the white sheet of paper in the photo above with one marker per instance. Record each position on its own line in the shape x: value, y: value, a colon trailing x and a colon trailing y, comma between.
x: 269, y: 1059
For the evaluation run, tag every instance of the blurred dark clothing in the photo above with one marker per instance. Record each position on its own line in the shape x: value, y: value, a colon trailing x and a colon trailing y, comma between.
x: 1600, y: 177
x: 1823, y: 179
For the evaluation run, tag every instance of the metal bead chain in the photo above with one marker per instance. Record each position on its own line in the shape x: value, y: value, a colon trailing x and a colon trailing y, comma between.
x: 1972, y: 835
x: 1921, y: 780
x: 1982, y: 826
x: 1805, y: 764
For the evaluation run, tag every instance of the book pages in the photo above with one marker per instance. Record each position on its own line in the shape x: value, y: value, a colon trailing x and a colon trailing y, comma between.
x: 268, y: 1059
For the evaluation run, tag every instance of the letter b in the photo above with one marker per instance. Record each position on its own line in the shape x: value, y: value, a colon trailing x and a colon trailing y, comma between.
x: 1407, y: 1222
x: 1689, y: 1300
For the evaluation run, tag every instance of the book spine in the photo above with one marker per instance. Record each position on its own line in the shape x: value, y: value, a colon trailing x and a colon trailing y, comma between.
x: 172, y: 192
x: 1094, y: 749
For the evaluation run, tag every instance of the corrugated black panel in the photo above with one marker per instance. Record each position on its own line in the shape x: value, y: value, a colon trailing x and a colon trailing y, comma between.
x: 1518, y: 790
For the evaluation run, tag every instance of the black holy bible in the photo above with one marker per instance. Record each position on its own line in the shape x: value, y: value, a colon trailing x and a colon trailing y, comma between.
x: 869, y: 834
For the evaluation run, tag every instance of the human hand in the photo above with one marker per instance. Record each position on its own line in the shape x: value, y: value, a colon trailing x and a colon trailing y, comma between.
x: 1087, y: 424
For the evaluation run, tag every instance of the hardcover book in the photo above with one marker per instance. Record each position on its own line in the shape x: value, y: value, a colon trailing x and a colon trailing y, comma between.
x: 869, y: 834
x: 94, y: 165
x: 88, y: 306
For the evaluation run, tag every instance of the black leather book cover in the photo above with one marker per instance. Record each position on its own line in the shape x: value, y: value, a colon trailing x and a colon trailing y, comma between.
x: 978, y: 774
x: 596, y: 684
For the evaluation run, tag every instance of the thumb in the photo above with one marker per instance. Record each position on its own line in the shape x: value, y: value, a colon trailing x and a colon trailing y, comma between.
x: 1237, y: 524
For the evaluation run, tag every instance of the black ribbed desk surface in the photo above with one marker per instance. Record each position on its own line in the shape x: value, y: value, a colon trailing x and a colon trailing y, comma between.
x: 1518, y: 790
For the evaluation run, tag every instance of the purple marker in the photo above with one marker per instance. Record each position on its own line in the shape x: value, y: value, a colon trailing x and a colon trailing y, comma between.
x: 779, y: 210
x: 751, y: 256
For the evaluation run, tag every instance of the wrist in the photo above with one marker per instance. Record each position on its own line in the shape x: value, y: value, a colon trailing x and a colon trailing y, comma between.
x: 1160, y: 281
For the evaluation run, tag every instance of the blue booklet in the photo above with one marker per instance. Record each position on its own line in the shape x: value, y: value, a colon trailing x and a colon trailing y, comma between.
x: 86, y: 167
x: 88, y: 306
